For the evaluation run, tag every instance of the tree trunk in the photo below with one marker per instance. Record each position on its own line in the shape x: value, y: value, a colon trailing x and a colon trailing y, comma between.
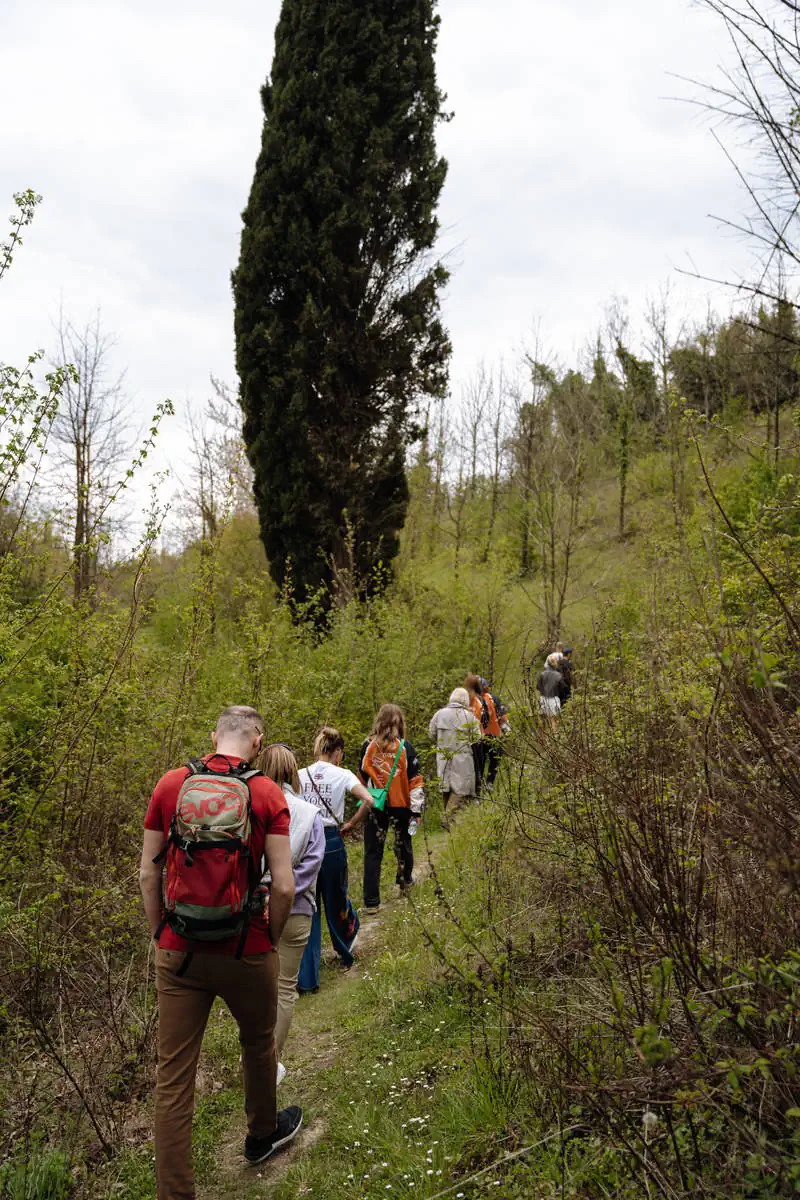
x: 492, y: 517
x: 80, y: 563
x: 527, y: 490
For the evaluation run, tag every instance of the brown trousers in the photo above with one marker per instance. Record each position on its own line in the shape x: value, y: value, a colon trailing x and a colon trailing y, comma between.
x: 249, y: 987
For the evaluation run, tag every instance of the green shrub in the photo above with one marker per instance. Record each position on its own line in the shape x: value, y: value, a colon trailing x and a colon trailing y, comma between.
x: 43, y: 1176
x: 652, y: 475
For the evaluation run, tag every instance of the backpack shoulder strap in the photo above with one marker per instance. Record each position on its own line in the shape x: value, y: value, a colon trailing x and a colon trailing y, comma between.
x: 246, y: 772
x: 196, y: 766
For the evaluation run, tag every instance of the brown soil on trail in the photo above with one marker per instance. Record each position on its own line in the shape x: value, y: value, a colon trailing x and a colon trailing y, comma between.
x: 237, y: 1176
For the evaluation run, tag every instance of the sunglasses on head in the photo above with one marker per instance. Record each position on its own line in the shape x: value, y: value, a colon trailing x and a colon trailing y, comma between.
x: 282, y: 745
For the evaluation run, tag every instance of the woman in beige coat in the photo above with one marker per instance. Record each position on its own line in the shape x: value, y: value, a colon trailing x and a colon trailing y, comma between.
x: 454, y: 729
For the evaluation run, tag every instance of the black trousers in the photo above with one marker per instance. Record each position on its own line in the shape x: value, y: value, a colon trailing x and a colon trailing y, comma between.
x: 479, y: 762
x: 494, y: 752
x: 376, y: 828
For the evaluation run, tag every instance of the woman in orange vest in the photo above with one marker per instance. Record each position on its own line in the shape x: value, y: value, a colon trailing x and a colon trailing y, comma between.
x: 387, y: 758
x: 487, y: 750
x: 498, y: 727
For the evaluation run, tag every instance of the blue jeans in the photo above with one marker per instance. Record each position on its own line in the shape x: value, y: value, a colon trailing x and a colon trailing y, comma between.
x: 341, y: 916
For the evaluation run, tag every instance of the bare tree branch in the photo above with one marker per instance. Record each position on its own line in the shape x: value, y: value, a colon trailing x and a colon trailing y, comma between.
x: 93, y: 437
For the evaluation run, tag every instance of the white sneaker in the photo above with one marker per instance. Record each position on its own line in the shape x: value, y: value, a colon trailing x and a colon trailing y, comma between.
x: 281, y: 1074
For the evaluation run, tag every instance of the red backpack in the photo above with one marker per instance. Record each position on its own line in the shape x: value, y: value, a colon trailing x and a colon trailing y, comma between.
x: 212, y: 886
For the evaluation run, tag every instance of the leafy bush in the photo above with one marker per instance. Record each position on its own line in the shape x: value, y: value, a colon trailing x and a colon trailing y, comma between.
x: 45, y: 1175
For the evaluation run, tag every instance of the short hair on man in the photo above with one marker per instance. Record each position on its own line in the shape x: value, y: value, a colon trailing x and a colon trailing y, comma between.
x: 240, y: 721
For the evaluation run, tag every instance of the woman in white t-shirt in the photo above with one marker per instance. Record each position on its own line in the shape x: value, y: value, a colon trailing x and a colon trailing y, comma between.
x: 325, y: 784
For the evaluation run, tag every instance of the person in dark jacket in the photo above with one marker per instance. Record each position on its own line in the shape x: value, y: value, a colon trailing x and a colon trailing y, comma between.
x: 552, y: 689
x: 566, y: 670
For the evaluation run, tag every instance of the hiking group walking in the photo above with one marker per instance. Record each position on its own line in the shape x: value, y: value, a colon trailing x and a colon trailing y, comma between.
x: 241, y: 852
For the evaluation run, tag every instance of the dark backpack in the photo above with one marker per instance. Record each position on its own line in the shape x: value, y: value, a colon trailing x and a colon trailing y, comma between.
x: 485, y: 718
x: 211, y: 886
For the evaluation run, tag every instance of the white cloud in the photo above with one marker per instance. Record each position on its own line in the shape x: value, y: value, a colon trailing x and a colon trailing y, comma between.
x: 572, y: 176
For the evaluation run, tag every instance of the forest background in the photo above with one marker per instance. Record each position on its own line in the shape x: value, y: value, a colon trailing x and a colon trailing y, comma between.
x: 637, y: 1013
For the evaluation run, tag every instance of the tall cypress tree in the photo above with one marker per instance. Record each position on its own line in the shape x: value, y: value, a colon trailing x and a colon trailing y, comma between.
x: 338, y: 333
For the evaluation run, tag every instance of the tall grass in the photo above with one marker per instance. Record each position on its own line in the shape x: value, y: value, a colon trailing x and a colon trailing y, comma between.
x: 638, y: 975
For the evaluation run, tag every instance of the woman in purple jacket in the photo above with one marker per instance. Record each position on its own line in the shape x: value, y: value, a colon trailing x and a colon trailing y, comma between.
x: 307, y: 844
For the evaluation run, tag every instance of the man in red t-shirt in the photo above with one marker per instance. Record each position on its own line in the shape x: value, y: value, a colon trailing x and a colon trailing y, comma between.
x: 248, y: 983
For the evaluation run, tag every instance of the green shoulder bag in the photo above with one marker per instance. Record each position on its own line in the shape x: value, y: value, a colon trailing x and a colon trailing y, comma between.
x: 381, y: 795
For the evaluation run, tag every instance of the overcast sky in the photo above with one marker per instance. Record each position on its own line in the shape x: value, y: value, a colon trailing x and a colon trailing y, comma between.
x: 573, y: 175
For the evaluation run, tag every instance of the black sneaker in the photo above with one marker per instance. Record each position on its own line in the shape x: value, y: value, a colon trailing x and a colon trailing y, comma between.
x: 257, y: 1149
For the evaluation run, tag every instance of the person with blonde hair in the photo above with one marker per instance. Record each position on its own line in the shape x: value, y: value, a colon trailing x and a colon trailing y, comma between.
x: 389, y: 762
x: 307, y: 847
x: 325, y: 784
x: 454, y: 730
x: 553, y: 661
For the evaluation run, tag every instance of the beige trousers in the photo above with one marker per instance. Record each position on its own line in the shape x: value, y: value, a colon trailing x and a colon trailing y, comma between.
x: 248, y: 987
x: 290, y: 951
x: 453, y: 801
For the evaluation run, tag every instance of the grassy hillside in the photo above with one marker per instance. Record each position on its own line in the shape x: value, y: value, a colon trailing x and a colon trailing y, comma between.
x: 596, y: 992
